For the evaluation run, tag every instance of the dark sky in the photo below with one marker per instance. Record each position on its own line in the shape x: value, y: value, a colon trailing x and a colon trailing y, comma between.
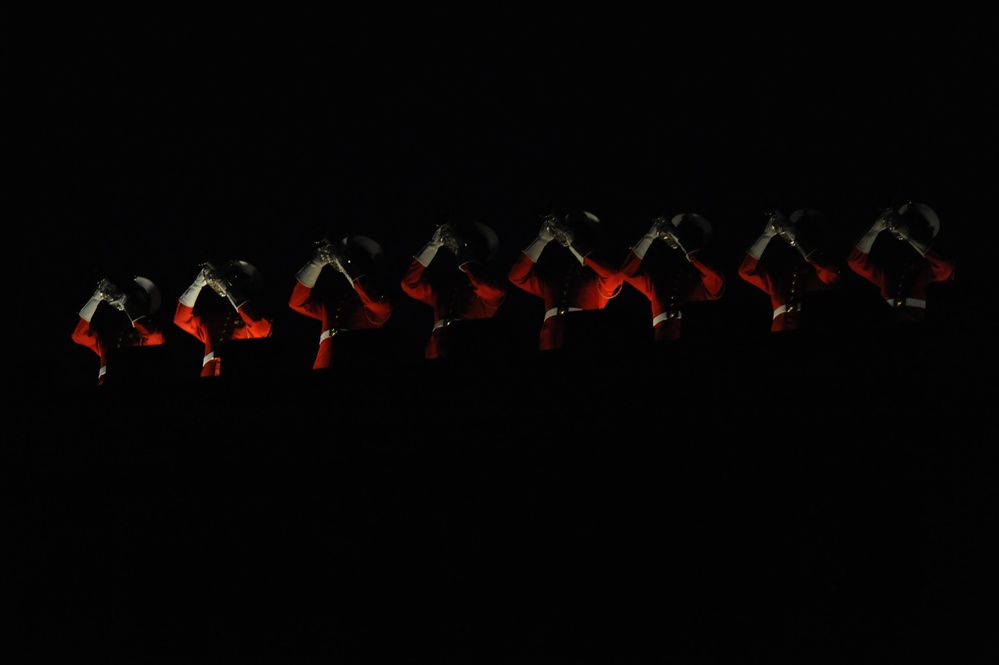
x: 151, y: 147
x: 149, y: 144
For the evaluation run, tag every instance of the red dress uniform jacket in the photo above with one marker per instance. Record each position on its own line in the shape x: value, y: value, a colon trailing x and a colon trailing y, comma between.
x: 214, y: 330
x: 352, y: 309
x: 142, y: 333
x: 563, y: 290
x: 902, y: 286
x: 669, y: 288
x: 475, y: 295
x: 785, y: 287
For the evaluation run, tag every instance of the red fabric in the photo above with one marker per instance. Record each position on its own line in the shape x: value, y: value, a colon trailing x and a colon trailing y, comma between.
x: 361, y: 307
x: 669, y: 288
x: 143, y: 332
x: 892, y: 283
x: 245, y: 323
x: 588, y: 287
x: 471, y: 293
x: 785, y: 287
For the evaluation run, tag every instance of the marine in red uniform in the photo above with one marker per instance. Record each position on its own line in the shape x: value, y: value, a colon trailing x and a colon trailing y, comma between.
x: 786, y: 279
x: 905, y: 264
x: 358, y: 304
x: 573, y: 278
x: 681, y: 271
x: 226, y: 313
x: 137, y: 300
x: 466, y: 287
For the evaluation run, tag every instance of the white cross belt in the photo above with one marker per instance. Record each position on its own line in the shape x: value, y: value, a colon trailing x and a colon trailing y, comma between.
x: 666, y: 315
x: 560, y: 310
x: 906, y: 302
x: 329, y: 333
x: 787, y: 308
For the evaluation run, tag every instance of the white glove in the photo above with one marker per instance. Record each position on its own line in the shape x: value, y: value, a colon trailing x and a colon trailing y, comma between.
x: 439, y: 235
x: 545, y: 236
x: 866, y: 241
x: 546, y: 232
x: 429, y: 251
x: 309, y: 273
x: 881, y: 223
x: 87, y: 313
x: 643, y: 244
x: 190, y: 296
x: 773, y: 225
x: 760, y: 244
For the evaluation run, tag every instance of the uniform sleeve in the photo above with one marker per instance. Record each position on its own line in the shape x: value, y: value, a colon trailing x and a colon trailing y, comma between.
x: 523, y: 276
x: 828, y: 272
x: 84, y: 335
x: 712, y: 278
x: 301, y: 301
x: 940, y: 269
x: 257, y: 325
x: 632, y: 264
x: 377, y: 306
x: 415, y: 285
x: 490, y: 291
x: 185, y: 319
x: 754, y: 272
x: 632, y: 272
x: 861, y: 263
x: 609, y: 280
x: 150, y: 334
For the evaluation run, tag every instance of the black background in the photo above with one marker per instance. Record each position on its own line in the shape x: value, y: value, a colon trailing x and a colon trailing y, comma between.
x: 153, y: 147
x: 770, y: 498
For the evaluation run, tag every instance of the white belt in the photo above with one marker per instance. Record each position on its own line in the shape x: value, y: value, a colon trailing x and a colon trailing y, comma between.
x: 787, y: 308
x: 440, y: 323
x: 329, y: 333
x: 559, y: 310
x: 101, y: 372
x: 666, y: 315
x: 906, y: 302
x: 210, y: 356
